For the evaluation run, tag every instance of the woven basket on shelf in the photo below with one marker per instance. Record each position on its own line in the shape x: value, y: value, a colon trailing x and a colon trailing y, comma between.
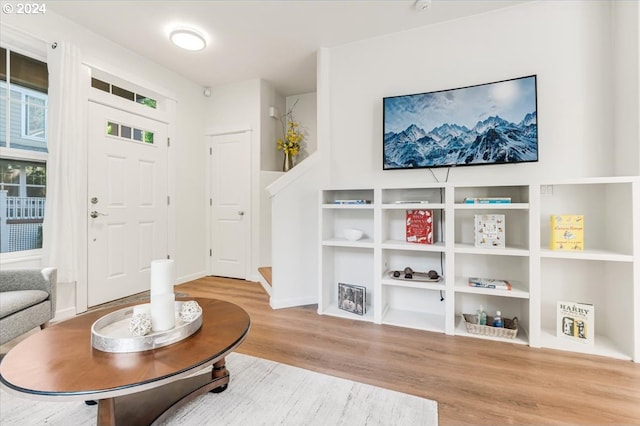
x: 509, y: 331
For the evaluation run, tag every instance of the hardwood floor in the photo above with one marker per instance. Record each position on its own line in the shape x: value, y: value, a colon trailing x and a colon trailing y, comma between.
x: 474, y: 381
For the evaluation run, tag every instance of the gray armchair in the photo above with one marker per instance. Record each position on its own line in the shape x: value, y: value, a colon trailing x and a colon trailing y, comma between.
x: 27, y: 300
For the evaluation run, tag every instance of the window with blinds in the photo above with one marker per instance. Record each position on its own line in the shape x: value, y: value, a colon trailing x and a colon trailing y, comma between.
x: 24, y: 83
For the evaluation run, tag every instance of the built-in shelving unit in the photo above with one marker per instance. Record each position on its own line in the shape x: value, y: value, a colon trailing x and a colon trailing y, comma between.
x: 606, y: 274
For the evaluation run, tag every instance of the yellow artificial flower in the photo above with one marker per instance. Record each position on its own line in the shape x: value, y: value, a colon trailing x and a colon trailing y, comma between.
x: 290, y: 144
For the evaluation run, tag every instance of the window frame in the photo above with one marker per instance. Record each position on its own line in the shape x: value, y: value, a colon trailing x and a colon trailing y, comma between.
x: 25, y: 93
x: 22, y: 185
x: 35, y: 49
x: 23, y: 255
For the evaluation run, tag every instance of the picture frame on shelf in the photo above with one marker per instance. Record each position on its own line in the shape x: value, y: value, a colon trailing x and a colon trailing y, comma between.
x: 352, y: 298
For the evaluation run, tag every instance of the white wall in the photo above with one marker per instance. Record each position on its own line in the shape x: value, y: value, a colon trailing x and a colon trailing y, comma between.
x: 234, y: 107
x: 270, y: 157
x: 264, y: 242
x: 566, y: 44
x: 626, y: 64
x: 186, y: 142
x: 295, y: 249
x: 305, y: 113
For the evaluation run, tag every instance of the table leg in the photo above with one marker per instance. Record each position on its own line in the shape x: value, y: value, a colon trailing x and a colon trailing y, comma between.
x: 154, y: 406
x: 220, y: 371
x: 106, y: 412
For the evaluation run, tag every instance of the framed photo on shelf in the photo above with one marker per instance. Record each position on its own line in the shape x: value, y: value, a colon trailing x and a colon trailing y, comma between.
x: 352, y: 298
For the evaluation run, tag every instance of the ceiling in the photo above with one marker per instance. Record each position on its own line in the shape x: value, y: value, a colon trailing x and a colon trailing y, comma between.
x: 273, y: 40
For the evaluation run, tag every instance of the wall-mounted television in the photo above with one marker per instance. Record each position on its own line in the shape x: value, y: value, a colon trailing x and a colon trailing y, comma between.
x: 492, y: 123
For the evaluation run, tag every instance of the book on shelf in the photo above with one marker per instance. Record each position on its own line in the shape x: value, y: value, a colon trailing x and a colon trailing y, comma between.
x: 490, y: 283
x: 488, y: 200
x: 411, y: 202
x: 352, y: 202
x: 489, y: 230
x: 575, y: 321
x: 567, y: 232
x: 419, y: 226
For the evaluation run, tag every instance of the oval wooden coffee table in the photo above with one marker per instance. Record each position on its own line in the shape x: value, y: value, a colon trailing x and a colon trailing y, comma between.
x: 139, y: 388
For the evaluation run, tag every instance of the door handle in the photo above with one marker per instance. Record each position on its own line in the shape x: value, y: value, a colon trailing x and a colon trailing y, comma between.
x: 240, y: 213
x: 95, y: 214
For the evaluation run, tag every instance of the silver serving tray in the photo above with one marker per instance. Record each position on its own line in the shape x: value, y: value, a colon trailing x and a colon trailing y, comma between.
x: 111, y: 332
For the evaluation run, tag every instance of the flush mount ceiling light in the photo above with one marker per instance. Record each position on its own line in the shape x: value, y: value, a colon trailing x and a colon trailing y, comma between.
x: 187, y: 39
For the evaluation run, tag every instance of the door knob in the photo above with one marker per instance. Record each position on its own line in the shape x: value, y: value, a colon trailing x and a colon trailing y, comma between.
x: 240, y: 213
x: 95, y: 214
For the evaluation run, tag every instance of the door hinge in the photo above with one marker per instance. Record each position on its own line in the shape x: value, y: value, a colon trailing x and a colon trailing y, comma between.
x: 168, y: 200
x: 210, y: 201
x: 210, y: 151
x: 210, y: 252
x: 168, y: 256
x: 168, y: 142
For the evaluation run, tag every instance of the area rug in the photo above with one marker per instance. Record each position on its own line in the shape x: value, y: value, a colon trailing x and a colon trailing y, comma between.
x: 260, y: 392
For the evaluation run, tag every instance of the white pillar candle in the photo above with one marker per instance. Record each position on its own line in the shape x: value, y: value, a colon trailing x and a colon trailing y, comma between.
x: 163, y: 311
x: 142, y: 309
x: 162, y: 276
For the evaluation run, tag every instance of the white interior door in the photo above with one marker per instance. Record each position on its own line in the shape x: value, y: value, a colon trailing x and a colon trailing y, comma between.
x: 127, y: 188
x: 230, y: 202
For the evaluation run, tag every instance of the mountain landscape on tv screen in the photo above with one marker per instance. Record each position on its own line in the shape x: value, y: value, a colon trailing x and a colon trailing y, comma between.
x: 493, y: 140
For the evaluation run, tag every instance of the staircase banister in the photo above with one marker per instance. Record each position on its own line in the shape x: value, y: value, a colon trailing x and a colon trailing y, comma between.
x: 292, y: 175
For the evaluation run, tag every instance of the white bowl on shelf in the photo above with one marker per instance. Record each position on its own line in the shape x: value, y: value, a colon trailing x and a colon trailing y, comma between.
x: 353, y: 234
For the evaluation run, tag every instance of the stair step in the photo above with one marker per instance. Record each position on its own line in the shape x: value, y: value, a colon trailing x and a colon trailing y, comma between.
x: 265, y: 271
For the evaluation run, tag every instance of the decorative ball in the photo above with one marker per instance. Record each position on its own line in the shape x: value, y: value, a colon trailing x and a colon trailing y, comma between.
x: 190, y: 311
x: 140, y: 324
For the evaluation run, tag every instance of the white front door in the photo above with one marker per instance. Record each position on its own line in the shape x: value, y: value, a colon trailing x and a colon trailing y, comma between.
x: 230, y: 202
x: 127, y: 188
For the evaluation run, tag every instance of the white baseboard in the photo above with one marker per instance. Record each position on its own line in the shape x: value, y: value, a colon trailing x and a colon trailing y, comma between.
x: 191, y: 277
x: 186, y: 278
x: 265, y: 285
x: 63, y: 314
x: 290, y: 303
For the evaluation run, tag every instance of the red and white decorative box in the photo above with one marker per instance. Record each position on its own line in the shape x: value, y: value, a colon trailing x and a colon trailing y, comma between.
x: 419, y: 226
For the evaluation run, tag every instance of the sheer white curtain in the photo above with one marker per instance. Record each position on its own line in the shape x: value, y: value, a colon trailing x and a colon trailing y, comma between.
x: 63, y: 235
